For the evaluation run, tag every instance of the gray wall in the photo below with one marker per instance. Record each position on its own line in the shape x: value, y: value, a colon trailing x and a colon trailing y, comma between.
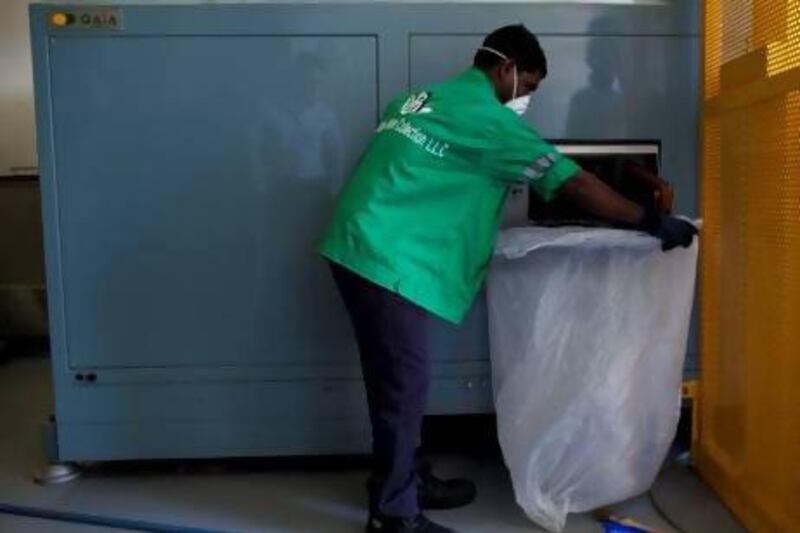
x: 16, y: 88
x: 22, y: 310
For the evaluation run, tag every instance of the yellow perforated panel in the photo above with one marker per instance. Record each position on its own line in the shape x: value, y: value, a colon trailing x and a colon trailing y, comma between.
x: 780, y: 33
x: 712, y: 49
x: 749, y: 434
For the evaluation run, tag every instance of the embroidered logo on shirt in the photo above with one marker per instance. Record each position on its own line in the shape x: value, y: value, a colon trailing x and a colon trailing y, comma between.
x: 416, y: 104
x: 429, y: 143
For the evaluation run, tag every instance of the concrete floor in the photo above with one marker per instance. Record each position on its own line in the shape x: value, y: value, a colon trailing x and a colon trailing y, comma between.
x: 274, y: 497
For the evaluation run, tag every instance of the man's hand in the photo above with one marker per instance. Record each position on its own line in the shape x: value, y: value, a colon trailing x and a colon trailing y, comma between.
x: 672, y: 231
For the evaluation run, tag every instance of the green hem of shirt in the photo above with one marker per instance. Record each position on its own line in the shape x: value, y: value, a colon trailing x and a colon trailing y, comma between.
x: 380, y: 275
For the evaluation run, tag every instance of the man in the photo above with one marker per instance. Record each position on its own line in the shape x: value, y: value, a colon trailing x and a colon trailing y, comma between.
x: 412, y: 237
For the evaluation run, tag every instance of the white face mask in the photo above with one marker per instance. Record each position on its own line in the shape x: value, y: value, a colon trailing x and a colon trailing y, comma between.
x: 518, y: 104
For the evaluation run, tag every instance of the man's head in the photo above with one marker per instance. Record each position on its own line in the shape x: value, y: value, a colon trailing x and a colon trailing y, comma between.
x: 512, y: 53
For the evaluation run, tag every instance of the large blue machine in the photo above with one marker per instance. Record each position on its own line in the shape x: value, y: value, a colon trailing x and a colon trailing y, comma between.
x: 190, y: 156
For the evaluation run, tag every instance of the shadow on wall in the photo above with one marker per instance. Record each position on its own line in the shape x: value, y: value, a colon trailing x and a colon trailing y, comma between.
x: 298, y: 156
x: 622, y: 89
x: 602, y: 101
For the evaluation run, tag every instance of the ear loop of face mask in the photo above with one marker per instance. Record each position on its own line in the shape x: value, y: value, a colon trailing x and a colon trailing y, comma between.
x: 506, y: 58
x: 518, y: 105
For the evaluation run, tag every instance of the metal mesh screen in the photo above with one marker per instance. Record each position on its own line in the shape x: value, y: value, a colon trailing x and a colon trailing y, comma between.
x: 750, y: 389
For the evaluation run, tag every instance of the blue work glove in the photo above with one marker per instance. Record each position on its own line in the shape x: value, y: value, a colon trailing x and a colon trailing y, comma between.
x: 672, y: 231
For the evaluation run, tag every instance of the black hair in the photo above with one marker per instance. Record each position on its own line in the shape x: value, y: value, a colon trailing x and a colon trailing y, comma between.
x: 517, y: 43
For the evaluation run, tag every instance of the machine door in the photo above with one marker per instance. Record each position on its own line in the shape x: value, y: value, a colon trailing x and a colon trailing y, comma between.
x: 194, y: 175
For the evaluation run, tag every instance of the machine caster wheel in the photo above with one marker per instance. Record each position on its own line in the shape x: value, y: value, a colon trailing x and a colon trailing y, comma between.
x: 57, y: 473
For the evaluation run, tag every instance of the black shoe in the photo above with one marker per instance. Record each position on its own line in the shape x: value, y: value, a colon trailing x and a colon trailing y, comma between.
x: 419, y: 524
x: 435, y: 493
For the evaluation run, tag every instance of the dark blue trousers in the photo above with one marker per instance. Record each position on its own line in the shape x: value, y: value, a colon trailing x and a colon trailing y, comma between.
x: 392, y: 336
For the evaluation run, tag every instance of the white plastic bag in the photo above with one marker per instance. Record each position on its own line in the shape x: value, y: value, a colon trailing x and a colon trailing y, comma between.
x: 588, y: 331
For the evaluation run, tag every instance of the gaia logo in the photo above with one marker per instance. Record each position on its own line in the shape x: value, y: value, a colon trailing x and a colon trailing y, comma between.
x: 107, y: 19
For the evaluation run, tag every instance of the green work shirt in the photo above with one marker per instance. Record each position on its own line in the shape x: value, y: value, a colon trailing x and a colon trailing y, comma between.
x: 420, y: 214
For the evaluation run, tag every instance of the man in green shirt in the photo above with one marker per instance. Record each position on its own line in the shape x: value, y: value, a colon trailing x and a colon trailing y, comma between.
x: 412, y: 237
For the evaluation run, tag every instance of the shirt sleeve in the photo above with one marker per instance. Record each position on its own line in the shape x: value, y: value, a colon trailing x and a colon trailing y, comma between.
x: 520, y: 154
